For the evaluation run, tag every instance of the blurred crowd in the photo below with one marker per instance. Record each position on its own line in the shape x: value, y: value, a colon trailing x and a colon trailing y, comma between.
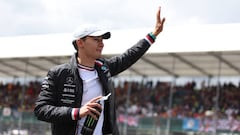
x: 146, y: 99
x: 187, y: 101
x: 18, y: 96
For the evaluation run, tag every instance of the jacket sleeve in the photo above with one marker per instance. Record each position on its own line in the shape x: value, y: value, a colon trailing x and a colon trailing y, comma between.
x: 120, y: 63
x: 45, y: 106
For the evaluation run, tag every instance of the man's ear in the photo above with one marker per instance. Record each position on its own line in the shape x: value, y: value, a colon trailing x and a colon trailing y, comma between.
x: 80, y: 43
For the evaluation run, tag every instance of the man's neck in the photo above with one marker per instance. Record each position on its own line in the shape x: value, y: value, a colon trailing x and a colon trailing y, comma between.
x: 86, y: 62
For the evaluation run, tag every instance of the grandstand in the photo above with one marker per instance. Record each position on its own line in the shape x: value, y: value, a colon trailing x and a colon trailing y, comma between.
x: 202, y: 54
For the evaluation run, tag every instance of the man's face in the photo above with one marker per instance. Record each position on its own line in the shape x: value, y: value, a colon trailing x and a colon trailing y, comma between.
x: 92, y: 47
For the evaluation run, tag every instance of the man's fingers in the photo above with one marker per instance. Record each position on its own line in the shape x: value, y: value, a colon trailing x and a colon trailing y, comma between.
x: 96, y: 105
x: 94, y: 113
x: 163, y: 20
x: 96, y: 99
x: 158, y: 15
x: 93, y: 116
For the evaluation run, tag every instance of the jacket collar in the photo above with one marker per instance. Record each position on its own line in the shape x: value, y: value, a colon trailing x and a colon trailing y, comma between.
x: 98, y: 63
x: 73, y: 62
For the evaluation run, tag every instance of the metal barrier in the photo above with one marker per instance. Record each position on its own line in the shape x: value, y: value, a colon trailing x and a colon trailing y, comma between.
x: 17, y: 123
x: 26, y: 124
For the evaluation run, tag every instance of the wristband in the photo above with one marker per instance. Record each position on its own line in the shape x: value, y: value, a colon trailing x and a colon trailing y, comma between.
x: 152, y: 35
x: 150, y: 38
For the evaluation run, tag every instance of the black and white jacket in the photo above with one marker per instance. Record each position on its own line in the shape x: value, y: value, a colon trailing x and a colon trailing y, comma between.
x: 62, y: 89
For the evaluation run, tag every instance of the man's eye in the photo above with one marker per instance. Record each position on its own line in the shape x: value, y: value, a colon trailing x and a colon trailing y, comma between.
x: 97, y: 39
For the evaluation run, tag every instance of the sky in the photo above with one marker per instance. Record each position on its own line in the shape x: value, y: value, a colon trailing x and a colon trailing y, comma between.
x: 31, y: 17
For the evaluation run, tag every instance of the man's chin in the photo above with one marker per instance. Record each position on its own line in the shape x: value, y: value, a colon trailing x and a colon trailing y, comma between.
x: 99, y: 56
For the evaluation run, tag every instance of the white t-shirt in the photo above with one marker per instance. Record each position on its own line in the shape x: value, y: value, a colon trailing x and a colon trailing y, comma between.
x: 91, y: 89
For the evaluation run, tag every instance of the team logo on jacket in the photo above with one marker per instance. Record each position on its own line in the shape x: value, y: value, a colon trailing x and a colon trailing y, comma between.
x: 69, y: 80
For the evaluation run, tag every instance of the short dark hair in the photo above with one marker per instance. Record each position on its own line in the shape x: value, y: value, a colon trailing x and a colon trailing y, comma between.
x: 74, y: 42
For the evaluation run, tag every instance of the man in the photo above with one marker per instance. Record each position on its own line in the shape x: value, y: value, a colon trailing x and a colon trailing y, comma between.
x: 70, y: 91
